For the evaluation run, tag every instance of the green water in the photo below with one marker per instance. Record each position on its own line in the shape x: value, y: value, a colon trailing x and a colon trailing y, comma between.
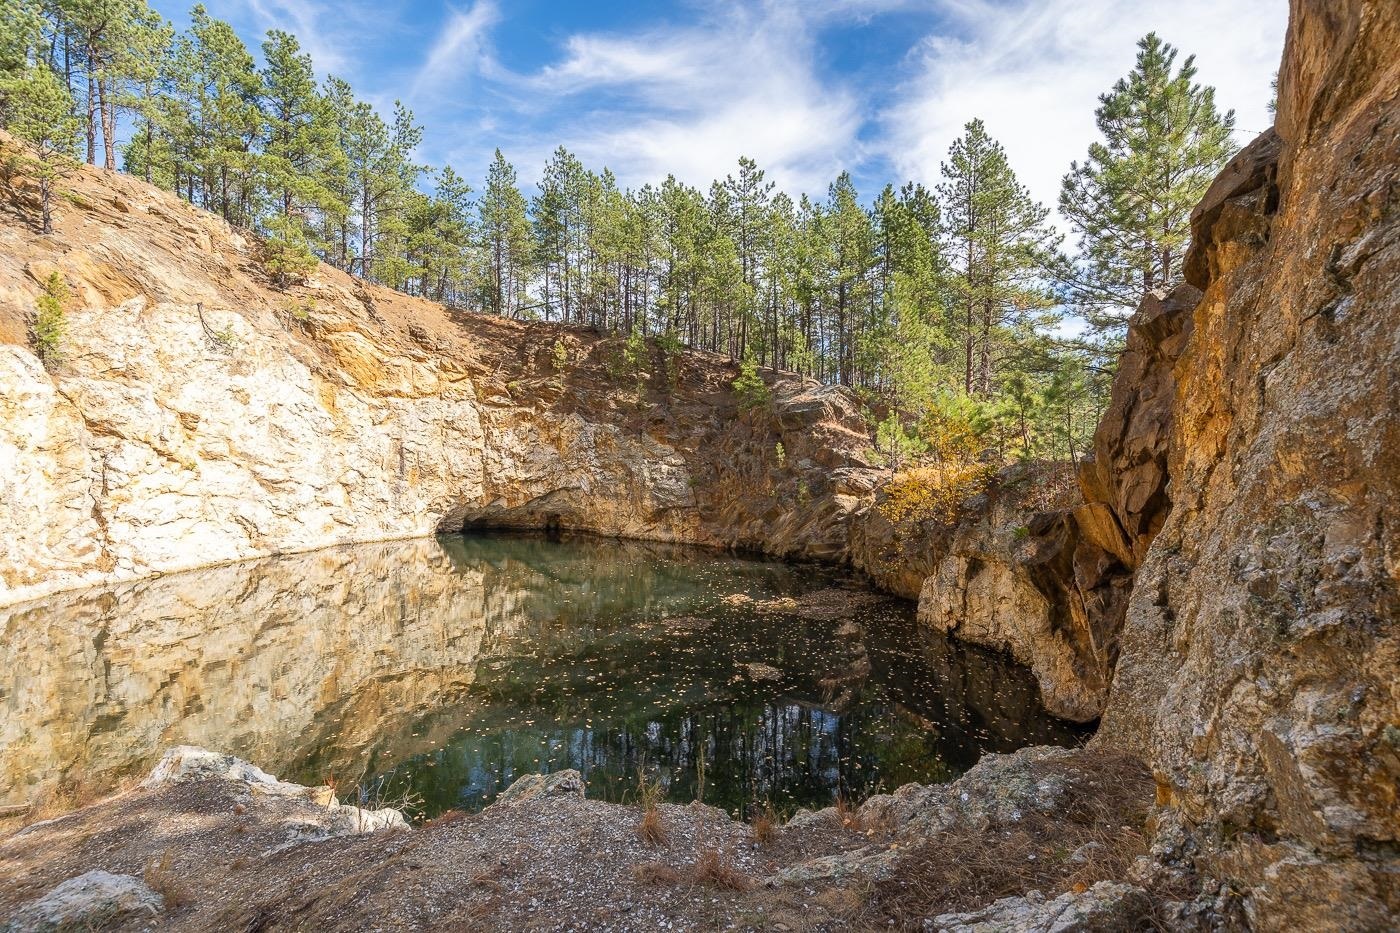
x: 442, y: 670
x: 635, y: 659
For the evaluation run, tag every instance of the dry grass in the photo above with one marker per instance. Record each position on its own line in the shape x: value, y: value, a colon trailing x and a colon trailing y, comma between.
x: 448, y: 818
x: 712, y: 868
x: 160, y: 876
x: 849, y: 814
x: 651, y: 829
x: 656, y: 873
x: 1095, y: 837
x: 649, y: 796
x: 765, y: 824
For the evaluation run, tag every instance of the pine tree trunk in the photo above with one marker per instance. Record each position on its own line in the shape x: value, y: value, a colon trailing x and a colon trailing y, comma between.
x: 45, y: 202
x: 91, y: 113
x: 109, y: 125
x: 150, y: 144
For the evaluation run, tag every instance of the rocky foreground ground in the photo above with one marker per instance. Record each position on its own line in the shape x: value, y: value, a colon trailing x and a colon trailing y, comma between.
x: 210, y: 842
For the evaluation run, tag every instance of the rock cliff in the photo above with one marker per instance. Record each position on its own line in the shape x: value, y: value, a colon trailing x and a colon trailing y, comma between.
x: 1258, y: 664
x: 1224, y: 588
x: 198, y: 415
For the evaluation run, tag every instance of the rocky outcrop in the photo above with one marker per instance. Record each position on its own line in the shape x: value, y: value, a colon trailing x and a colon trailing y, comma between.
x: 1124, y: 483
x: 1018, y: 569
x: 328, y: 818
x: 1107, y: 905
x: 93, y: 900
x: 1259, y: 658
x: 198, y: 415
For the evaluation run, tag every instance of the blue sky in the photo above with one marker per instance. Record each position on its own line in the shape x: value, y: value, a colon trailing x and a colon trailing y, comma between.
x: 806, y: 87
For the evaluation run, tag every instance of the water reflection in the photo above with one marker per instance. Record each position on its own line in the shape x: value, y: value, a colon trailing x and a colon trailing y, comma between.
x: 450, y: 667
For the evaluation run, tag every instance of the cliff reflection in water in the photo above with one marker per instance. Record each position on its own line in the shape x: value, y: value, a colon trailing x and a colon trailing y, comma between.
x: 450, y: 667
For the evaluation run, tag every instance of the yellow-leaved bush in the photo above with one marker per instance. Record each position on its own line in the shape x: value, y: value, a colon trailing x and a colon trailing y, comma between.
x: 932, y: 493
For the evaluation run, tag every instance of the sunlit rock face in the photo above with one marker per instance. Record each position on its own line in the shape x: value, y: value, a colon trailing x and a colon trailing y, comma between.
x: 201, y: 416
x: 1014, y: 570
x: 1260, y: 656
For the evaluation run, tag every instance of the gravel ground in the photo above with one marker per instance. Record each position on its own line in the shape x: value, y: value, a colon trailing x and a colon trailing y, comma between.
x: 245, y: 852
x: 224, y: 858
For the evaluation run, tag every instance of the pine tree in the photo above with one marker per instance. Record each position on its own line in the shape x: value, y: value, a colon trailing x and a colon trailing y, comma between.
x: 849, y: 249
x: 148, y: 67
x: 299, y: 137
x: 505, y: 234
x: 222, y: 95
x: 1130, y: 201
x: 38, y: 110
x: 998, y: 243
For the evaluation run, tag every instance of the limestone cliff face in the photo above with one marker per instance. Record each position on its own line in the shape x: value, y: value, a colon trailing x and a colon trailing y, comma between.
x: 1260, y: 655
x: 200, y: 416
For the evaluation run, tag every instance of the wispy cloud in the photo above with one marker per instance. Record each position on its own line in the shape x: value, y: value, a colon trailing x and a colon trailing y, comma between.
x: 1033, y: 70
x: 462, y: 49
x: 689, y: 100
x: 308, y: 20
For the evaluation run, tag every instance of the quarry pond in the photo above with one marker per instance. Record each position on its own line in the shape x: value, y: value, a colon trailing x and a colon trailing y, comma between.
x: 435, y: 672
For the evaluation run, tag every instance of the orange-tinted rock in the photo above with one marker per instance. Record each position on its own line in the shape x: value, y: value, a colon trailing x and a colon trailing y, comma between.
x: 1259, y: 659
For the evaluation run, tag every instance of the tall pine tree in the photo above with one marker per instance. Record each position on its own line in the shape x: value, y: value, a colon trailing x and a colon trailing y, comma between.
x: 998, y: 241
x: 1130, y: 201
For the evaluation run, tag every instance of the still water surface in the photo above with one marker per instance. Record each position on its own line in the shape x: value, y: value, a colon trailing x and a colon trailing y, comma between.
x: 447, y: 668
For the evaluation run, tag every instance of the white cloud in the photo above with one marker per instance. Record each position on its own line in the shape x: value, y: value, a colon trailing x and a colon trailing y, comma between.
x: 690, y: 100
x: 461, y: 49
x: 307, y: 20
x: 1033, y: 70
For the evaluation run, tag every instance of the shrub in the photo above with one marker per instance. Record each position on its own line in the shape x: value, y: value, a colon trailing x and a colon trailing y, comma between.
x: 287, y: 255
x: 933, y: 493
x: 49, y: 322
x: 780, y: 453
x: 749, y: 386
x: 560, y: 355
x: 297, y: 312
x: 894, y: 445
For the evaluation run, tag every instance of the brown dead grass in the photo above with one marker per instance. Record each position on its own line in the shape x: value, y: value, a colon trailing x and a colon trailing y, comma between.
x: 970, y: 867
x: 650, y: 793
x: 651, y: 829
x: 656, y: 873
x: 448, y: 818
x: 712, y: 867
x: 849, y: 814
x: 764, y: 825
x: 161, y: 877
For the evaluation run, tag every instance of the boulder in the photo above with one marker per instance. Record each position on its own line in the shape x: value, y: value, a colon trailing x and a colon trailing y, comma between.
x: 533, y: 787
x: 1107, y: 906
x: 92, y: 900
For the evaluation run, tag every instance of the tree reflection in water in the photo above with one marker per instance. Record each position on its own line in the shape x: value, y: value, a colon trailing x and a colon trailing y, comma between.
x: 452, y: 666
